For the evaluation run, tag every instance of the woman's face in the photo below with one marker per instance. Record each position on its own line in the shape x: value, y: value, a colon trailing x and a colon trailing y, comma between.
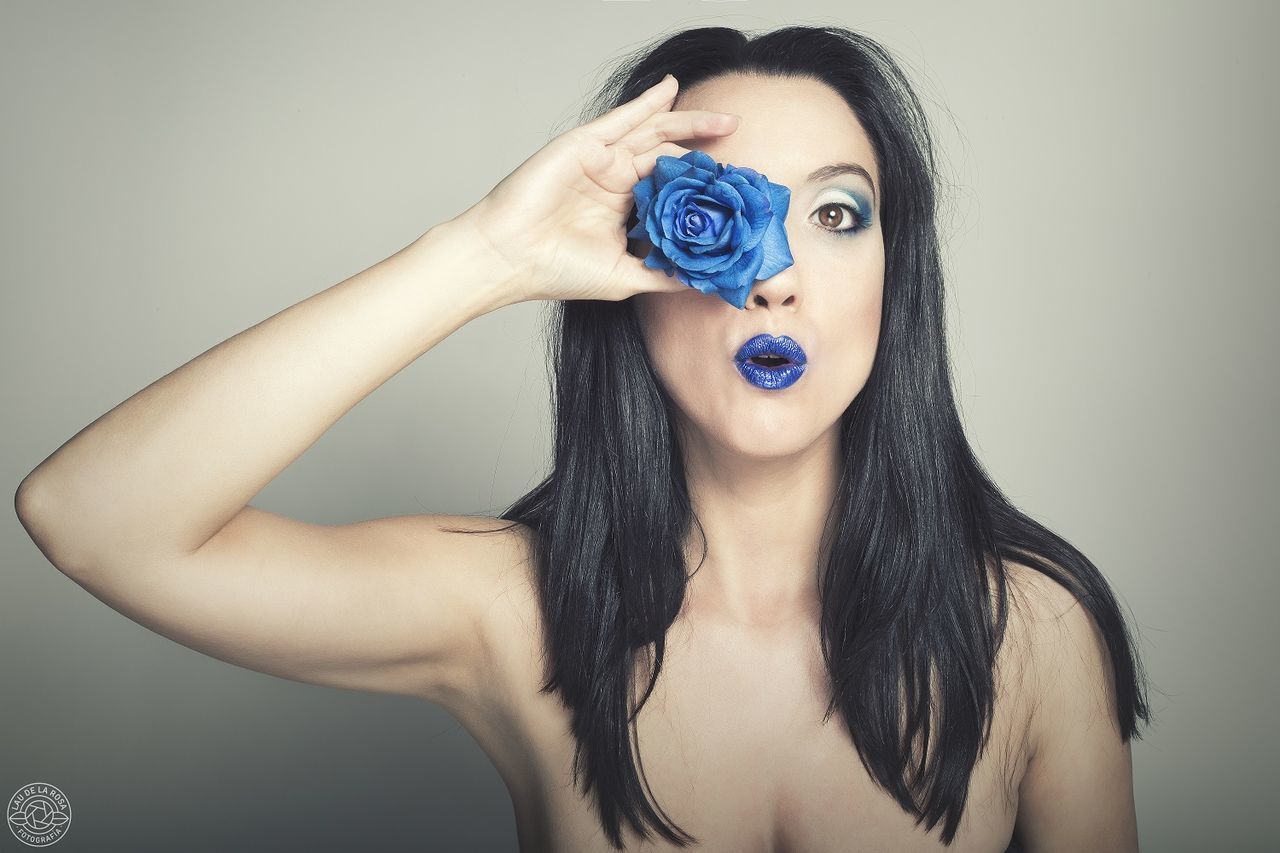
x: 828, y: 301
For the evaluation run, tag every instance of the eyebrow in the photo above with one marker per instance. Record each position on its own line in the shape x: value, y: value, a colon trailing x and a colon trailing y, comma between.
x: 833, y: 170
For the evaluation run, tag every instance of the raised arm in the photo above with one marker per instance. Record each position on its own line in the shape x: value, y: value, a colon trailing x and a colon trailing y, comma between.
x: 147, y: 507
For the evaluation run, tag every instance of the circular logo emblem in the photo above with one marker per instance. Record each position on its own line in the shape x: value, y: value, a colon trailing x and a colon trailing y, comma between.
x: 38, y: 814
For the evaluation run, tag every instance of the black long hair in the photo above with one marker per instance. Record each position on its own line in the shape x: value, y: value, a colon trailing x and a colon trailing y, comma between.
x: 914, y: 531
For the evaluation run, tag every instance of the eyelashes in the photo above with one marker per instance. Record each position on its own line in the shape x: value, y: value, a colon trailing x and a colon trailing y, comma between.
x: 861, y: 220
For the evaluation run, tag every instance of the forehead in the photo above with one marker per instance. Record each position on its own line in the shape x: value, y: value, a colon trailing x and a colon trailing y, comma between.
x: 789, y: 126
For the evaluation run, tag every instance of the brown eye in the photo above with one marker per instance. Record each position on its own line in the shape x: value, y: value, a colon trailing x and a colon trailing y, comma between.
x: 829, y: 216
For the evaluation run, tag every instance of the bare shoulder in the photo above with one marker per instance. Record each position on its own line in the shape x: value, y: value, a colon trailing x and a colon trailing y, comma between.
x: 1049, y: 617
x: 498, y: 555
x: 509, y: 614
x: 1066, y: 659
x: 1077, y: 789
x: 1037, y: 606
x: 511, y: 623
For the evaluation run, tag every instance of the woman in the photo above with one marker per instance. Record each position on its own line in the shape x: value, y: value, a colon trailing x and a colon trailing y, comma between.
x: 748, y: 613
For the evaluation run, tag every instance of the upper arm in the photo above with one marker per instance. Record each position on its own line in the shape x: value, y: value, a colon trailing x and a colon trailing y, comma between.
x: 392, y: 605
x: 1077, y: 792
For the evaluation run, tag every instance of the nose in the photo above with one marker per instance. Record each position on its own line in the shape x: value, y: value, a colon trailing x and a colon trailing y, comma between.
x: 777, y: 291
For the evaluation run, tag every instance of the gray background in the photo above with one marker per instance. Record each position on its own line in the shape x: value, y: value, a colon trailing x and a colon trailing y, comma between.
x: 174, y: 173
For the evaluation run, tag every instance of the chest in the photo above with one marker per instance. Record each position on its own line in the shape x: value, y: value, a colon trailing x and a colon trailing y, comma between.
x: 736, y: 752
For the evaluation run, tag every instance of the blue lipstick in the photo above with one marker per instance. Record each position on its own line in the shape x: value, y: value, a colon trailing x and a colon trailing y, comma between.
x: 771, y: 363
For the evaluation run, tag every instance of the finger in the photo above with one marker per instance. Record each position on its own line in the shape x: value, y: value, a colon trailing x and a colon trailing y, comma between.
x: 682, y: 124
x: 622, y: 119
x: 645, y: 161
x: 635, y: 277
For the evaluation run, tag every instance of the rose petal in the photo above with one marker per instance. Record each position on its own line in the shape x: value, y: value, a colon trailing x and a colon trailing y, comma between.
x: 780, y: 200
x: 716, y: 227
x: 774, y: 251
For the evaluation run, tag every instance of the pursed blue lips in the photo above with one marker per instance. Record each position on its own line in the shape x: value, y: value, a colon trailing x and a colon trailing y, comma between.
x: 771, y: 377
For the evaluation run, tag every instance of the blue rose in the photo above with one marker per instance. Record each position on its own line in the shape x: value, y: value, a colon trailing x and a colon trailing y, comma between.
x: 714, y: 227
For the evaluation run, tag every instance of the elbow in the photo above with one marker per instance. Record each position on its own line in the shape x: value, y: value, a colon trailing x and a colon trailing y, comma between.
x: 25, y: 499
x: 27, y: 504
x: 31, y: 505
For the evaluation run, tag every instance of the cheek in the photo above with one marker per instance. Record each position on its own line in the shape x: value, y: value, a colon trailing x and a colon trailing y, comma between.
x: 863, y: 301
x: 862, y: 340
x: 679, y: 342
x: 851, y: 334
x: 869, y: 310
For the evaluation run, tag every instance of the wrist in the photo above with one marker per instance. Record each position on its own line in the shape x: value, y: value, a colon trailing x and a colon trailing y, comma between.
x: 465, y: 258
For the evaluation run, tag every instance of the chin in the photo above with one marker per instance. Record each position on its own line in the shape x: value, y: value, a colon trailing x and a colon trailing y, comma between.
x: 764, y: 443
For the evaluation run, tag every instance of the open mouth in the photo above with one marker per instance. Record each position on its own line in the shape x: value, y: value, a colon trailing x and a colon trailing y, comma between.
x: 765, y: 350
x: 770, y: 360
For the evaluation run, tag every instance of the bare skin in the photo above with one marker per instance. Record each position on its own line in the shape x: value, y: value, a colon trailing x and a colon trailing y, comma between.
x: 148, y: 509
x: 733, y: 746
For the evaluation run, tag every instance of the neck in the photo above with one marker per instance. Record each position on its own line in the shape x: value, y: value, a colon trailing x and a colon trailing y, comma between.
x: 763, y: 520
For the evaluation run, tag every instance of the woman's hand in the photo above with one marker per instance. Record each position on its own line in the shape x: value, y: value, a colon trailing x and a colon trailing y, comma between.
x: 557, y: 223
